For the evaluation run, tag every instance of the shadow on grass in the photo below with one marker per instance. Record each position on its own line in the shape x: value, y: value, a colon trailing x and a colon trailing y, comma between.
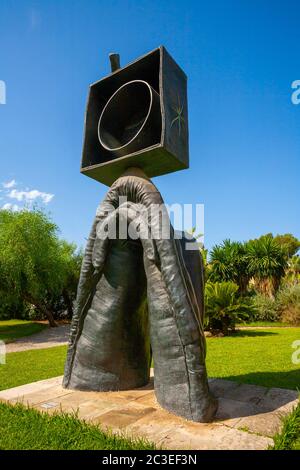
x: 250, y: 333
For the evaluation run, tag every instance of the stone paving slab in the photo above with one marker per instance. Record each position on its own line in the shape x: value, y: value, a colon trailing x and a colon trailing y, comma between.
x: 247, y: 418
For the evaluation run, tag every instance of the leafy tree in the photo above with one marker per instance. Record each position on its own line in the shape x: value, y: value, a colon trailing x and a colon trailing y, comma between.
x: 12, y: 307
x: 34, y: 264
x: 228, y: 263
x: 224, y: 306
x: 289, y: 243
x: 266, y: 263
x: 72, y: 260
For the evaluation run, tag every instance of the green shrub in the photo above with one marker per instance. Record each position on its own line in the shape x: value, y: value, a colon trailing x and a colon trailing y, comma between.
x: 12, y: 307
x: 265, y: 308
x: 224, y: 307
x: 288, y: 304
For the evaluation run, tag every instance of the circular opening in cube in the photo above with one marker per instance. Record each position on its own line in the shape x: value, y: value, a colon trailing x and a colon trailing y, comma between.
x: 125, y: 115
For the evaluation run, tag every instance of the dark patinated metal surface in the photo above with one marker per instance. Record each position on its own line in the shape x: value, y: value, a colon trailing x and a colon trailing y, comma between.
x: 114, y: 61
x: 167, y: 150
x: 131, y: 119
x: 138, y: 296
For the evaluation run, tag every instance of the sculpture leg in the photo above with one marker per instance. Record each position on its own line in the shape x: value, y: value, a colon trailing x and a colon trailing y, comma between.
x: 113, y: 350
x: 180, y: 379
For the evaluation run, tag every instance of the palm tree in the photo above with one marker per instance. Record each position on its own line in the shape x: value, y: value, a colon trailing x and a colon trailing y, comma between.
x: 223, y: 306
x: 267, y: 262
x: 228, y: 263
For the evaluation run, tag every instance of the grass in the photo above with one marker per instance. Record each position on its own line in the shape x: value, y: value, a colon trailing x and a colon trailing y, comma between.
x: 261, y: 357
x: 289, y: 437
x: 263, y: 323
x: 14, y: 329
x: 32, y: 365
x: 22, y: 428
x: 255, y: 356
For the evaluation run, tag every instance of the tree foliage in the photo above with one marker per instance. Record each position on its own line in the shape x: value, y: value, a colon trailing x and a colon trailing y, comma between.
x: 229, y: 263
x: 267, y: 263
x: 35, y: 266
x: 263, y: 260
x: 289, y: 243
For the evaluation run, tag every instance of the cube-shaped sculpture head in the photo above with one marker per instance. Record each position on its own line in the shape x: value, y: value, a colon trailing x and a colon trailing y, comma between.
x: 137, y: 117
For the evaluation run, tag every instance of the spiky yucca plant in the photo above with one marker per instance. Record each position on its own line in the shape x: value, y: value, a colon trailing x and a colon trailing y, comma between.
x: 266, y: 261
x: 228, y: 263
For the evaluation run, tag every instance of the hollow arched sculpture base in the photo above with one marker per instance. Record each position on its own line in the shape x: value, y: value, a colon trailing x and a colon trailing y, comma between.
x: 138, y: 298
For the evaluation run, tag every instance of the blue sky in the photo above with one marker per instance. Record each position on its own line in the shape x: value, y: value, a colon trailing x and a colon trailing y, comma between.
x: 241, y: 57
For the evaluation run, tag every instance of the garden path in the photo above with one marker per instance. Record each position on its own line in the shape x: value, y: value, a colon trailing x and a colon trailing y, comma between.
x: 48, y: 338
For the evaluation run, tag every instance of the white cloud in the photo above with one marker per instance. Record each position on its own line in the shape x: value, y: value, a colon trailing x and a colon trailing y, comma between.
x: 9, y: 184
x: 29, y: 196
x: 11, y: 207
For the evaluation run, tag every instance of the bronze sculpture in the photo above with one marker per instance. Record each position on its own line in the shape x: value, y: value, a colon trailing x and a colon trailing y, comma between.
x: 143, y: 296
x: 165, y: 145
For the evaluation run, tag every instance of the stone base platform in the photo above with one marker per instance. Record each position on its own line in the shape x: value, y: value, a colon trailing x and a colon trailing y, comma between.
x: 248, y: 415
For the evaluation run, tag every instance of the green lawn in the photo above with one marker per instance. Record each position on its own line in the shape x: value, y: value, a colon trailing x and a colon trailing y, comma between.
x: 261, y: 357
x: 28, y: 429
x: 252, y: 356
x: 13, y: 329
x: 30, y: 366
x: 263, y: 323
